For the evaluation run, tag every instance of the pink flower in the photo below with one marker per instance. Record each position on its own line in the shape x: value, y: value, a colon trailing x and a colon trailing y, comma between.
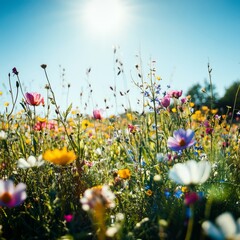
x: 184, y: 100
x: 39, y: 126
x: 174, y: 94
x: 10, y: 195
x: 181, y: 139
x: 52, y: 125
x: 132, y: 128
x: 34, y: 99
x: 165, y: 102
x: 68, y: 217
x: 98, y: 114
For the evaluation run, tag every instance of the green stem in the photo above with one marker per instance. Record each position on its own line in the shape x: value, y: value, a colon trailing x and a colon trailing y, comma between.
x: 190, y: 224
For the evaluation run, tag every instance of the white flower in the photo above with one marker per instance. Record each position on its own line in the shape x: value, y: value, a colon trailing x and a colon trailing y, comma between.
x: 225, y: 228
x: 191, y: 172
x: 3, y: 135
x: 97, y: 196
x: 30, y: 162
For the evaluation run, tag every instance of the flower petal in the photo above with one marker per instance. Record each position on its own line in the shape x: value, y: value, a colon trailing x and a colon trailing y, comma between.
x: 204, y: 169
x: 32, y: 161
x: 212, y: 231
x: 180, y: 174
x: 22, y: 163
x: 227, y: 224
x: 195, y: 174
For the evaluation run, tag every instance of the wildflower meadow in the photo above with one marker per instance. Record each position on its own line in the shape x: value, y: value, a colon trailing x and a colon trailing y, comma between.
x: 168, y: 171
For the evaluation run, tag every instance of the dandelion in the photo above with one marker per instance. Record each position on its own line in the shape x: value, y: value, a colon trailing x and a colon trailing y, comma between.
x: 10, y: 195
x: 60, y: 157
x: 191, y: 172
x: 34, y: 99
x: 226, y: 227
x: 181, y: 139
x: 30, y: 162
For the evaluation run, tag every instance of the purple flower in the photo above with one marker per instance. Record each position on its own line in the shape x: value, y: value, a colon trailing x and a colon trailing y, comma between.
x: 165, y: 102
x: 181, y: 139
x: 10, y: 195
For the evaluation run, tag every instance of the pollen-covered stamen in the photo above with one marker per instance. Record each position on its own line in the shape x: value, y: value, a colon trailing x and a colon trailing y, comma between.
x: 6, y: 197
x: 182, y: 142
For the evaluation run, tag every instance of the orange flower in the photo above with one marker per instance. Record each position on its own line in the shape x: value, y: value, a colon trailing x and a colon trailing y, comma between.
x: 149, y: 192
x: 124, y: 173
x: 60, y: 157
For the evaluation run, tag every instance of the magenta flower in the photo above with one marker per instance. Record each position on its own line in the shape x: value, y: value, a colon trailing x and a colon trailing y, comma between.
x: 10, y: 195
x: 34, y: 99
x: 165, y: 102
x: 98, y: 114
x: 174, y: 94
x: 68, y: 217
x: 181, y: 139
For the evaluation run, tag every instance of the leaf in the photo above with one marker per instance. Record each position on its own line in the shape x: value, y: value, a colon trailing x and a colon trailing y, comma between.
x: 67, y: 112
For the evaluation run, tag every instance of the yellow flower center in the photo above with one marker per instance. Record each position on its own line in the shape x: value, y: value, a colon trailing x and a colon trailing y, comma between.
x: 182, y: 142
x: 6, y: 197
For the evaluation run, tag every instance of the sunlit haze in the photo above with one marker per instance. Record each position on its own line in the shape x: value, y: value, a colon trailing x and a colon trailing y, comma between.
x: 75, y: 36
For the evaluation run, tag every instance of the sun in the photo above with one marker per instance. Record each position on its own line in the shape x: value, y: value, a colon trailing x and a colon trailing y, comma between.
x: 104, y: 16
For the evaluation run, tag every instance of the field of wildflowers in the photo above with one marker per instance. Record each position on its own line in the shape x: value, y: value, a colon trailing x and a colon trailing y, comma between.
x: 170, y: 171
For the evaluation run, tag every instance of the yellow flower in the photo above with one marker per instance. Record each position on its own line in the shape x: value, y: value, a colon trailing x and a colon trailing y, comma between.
x: 41, y: 119
x: 174, y: 110
x: 184, y: 189
x: 85, y: 124
x: 204, y: 108
x: 6, y: 104
x: 60, y: 157
x: 124, y: 173
x: 158, y: 78
x: 129, y: 116
x: 192, y: 104
x: 214, y: 111
x: 149, y: 192
x: 1, y: 93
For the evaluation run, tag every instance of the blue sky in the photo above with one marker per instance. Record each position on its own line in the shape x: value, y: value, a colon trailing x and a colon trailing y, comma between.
x: 181, y: 36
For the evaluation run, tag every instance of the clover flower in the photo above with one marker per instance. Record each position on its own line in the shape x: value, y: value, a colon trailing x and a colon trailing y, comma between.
x: 191, y: 172
x: 30, y: 162
x: 226, y: 227
x: 10, y: 195
x: 98, y: 197
x: 60, y: 157
x: 181, y: 139
x: 34, y: 99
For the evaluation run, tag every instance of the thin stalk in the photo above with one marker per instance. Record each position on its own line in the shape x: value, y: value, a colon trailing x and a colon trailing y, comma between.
x: 58, y: 112
x: 211, y: 86
x: 190, y: 225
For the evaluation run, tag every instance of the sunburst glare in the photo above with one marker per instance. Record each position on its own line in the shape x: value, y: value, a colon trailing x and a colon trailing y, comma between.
x: 105, y: 17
